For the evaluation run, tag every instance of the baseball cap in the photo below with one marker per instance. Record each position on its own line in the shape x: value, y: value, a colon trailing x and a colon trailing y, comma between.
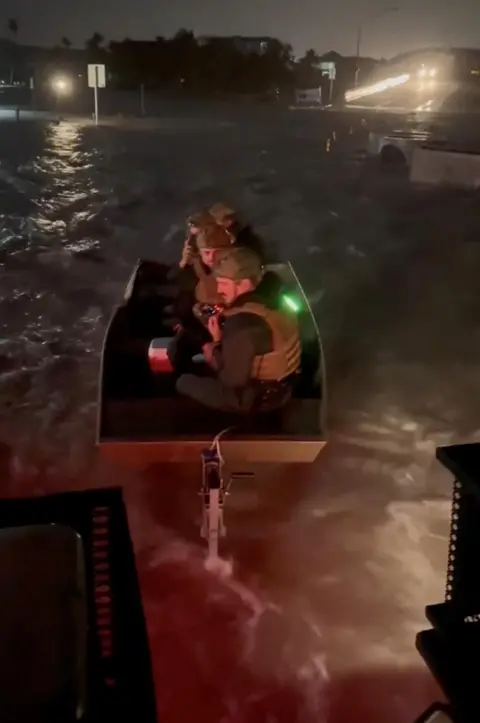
x: 238, y: 263
x: 222, y: 212
x: 213, y: 237
x: 201, y: 219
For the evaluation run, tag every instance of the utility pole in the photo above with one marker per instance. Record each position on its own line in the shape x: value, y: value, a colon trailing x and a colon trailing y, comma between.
x: 357, y: 53
x: 371, y: 18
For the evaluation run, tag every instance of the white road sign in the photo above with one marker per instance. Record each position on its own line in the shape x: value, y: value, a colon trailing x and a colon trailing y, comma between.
x: 96, y: 76
x: 329, y: 69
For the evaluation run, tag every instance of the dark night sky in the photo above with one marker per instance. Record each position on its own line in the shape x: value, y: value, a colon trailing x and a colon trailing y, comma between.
x: 303, y: 23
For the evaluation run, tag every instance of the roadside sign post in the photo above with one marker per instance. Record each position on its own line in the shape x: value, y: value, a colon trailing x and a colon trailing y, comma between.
x: 331, y: 79
x: 330, y: 70
x: 96, y: 80
x: 95, y: 98
x: 32, y: 92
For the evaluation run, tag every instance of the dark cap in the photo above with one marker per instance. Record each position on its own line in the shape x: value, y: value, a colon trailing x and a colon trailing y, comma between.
x: 222, y: 212
x: 201, y: 219
x: 238, y: 263
x: 213, y: 237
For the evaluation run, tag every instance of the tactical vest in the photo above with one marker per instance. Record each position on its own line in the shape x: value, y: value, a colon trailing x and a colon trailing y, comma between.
x: 284, y: 359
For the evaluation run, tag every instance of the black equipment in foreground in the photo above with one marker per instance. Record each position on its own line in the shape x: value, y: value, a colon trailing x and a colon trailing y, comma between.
x: 73, y: 641
x: 450, y: 648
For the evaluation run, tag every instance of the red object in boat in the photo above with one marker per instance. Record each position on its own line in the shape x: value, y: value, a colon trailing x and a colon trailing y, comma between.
x: 158, y: 357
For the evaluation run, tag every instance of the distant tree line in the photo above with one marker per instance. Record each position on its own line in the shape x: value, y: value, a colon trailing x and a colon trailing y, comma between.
x: 215, y: 65
x: 188, y: 64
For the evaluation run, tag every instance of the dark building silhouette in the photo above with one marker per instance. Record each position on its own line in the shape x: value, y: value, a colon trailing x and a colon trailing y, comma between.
x: 240, y: 43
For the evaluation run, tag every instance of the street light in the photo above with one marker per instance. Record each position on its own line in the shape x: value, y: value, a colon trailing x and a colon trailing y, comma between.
x: 375, y: 16
x: 61, y: 85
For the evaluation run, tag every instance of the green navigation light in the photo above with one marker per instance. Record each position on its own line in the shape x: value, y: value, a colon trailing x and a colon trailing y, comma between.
x: 292, y: 304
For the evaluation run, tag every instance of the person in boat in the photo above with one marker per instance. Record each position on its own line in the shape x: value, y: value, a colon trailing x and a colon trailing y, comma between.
x: 197, y: 300
x: 255, y: 350
x: 196, y: 223
x: 196, y: 262
x: 242, y: 234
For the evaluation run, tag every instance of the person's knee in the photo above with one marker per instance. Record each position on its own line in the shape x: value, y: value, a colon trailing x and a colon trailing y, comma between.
x: 187, y: 384
x: 204, y: 390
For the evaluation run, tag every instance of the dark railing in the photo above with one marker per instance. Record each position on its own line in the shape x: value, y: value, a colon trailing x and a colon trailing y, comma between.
x: 451, y: 647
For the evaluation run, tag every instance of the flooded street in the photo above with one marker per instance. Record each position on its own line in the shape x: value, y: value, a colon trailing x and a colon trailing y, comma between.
x: 330, y: 567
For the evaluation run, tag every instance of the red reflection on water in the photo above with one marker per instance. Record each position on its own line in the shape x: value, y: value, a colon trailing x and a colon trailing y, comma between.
x: 207, y: 662
x: 198, y: 641
x: 197, y: 646
x: 380, y: 695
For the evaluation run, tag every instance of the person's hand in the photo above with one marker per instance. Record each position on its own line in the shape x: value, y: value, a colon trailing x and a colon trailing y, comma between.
x: 213, y: 327
x: 187, y: 254
x: 207, y: 351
